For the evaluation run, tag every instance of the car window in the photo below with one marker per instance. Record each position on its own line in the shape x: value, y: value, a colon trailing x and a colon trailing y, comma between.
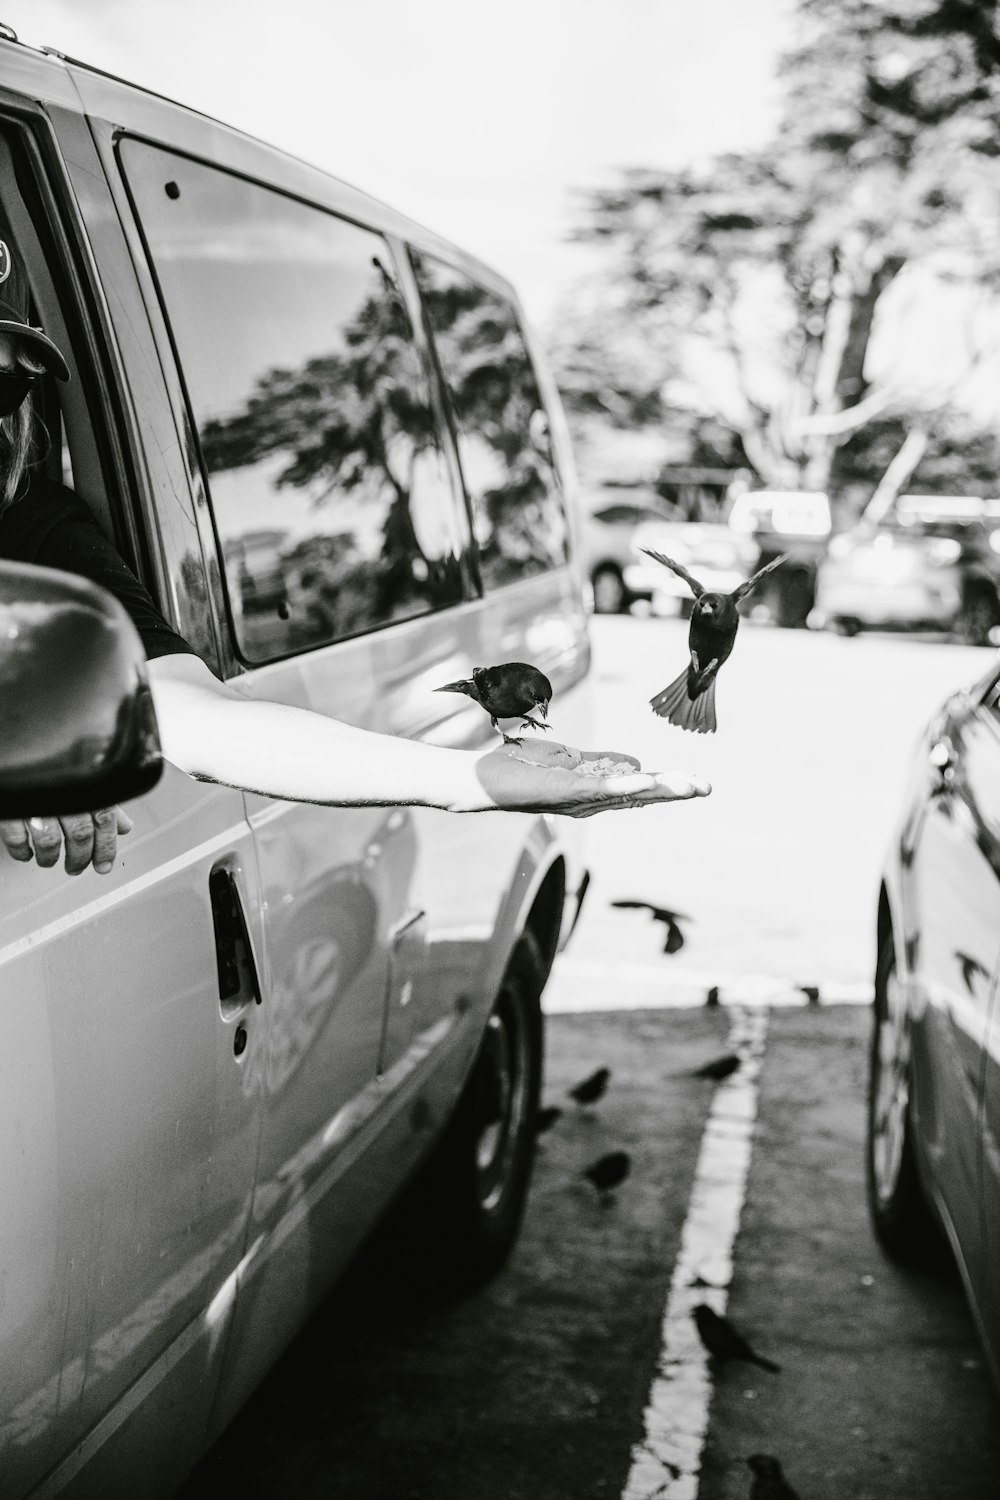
x: 328, y: 482
x: 508, y: 467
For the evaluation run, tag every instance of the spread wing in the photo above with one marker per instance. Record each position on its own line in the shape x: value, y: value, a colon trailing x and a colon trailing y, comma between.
x: 752, y: 582
x: 696, y: 588
x: 661, y: 913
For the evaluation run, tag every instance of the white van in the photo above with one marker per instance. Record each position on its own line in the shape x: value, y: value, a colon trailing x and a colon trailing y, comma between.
x: 321, y: 437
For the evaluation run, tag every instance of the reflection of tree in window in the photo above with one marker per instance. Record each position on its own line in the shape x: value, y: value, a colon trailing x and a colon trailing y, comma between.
x: 356, y: 424
x: 504, y: 444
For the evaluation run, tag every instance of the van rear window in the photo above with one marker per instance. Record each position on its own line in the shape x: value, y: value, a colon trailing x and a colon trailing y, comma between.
x: 505, y: 450
x: 330, y: 489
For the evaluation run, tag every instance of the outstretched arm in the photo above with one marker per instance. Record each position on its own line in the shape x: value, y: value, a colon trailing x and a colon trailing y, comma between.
x: 752, y: 582
x: 696, y: 588
x: 216, y: 734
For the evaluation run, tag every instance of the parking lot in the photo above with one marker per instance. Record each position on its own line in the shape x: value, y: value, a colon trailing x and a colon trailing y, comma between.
x: 576, y: 1374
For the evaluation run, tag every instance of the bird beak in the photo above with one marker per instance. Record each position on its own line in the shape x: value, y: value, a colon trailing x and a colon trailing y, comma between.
x: 544, y: 707
x: 454, y: 687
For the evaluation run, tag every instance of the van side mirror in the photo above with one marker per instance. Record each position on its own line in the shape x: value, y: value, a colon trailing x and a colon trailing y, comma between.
x: 77, y: 727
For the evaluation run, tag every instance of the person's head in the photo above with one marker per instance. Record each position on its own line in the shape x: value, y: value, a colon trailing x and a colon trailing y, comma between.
x: 26, y: 353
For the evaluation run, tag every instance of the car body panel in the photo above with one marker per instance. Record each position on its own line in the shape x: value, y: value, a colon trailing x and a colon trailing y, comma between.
x: 915, y: 566
x: 217, y: 1185
x: 942, y: 889
x: 121, y: 1073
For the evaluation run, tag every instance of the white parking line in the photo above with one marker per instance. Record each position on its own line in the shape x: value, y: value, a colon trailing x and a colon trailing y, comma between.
x: 666, y: 1464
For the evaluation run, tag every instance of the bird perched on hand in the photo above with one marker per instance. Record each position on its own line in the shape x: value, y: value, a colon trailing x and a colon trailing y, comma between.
x: 769, y: 1482
x: 723, y: 1341
x: 589, y: 1090
x: 718, y: 1068
x: 673, y: 936
x: 509, y: 691
x: 608, y: 1172
x: 689, y: 701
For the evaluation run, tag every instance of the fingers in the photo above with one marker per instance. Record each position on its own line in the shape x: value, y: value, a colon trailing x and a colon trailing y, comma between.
x: 614, y: 793
x: 46, y: 836
x: 14, y: 837
x: 89, y: 838
x: 98, y: 842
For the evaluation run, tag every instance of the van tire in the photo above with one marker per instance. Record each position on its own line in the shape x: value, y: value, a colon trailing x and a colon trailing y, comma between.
x: 479, y: 1173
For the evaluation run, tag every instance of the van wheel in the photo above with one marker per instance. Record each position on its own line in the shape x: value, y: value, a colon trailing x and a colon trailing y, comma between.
x: 609, y: 591
x: 901, y: 1216
x: 481, y: 1169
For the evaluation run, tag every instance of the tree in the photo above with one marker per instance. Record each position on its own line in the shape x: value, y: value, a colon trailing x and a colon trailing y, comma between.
x: 774, y: 268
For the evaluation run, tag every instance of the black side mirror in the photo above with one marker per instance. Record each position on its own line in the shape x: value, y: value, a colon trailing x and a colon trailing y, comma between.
x: 77, y: 727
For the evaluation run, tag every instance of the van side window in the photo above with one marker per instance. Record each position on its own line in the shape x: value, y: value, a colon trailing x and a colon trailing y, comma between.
x: 510, y: 474
x: 329, y: 486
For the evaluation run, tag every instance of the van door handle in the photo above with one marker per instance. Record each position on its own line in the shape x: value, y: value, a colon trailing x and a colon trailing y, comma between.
x: 238, y: 982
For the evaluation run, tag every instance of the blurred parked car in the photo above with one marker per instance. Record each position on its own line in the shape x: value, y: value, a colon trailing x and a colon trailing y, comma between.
x: 933, y: 1140
x: 610, y: 514
x: 932, y: 562
x: 719, y: 557
x: 796, y: 523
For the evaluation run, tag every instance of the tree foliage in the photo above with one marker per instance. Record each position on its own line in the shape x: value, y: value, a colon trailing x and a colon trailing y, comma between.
x: 772, y: 268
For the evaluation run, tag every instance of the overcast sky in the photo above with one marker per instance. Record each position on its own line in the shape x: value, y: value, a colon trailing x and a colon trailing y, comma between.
x: 480, y: 121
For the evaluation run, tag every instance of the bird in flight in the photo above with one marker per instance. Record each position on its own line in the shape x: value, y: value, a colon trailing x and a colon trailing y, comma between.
x: 673, y: 937
x: 689, y: 701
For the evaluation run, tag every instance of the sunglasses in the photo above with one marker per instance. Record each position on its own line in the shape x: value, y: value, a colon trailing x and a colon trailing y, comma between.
x: 13, y: 390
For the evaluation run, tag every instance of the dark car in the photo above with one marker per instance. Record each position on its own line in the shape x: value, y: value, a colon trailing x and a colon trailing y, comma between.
x: 933, y: 1146
x: 931, y: 562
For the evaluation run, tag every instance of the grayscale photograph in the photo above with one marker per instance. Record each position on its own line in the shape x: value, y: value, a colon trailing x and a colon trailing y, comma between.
x: 500, y: 750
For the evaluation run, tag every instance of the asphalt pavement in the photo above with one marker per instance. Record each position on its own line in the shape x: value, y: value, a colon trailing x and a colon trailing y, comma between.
x: 571, y: 1375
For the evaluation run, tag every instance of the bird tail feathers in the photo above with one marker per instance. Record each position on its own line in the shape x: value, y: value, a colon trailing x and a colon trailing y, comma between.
x: 676, y: 706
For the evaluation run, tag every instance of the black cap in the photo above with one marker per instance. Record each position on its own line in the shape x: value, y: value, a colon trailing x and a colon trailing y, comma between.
x: 14, y: 309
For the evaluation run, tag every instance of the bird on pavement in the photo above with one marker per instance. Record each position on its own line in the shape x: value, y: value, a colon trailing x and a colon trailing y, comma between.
x: 608, y: 1172
x: 511, y: 690
x: 673, y: 936
x: 546, y: 1117
x: 589, y: 1090
x: 724, y: 1342
x: 719, y: 1067
x: 769, y: 1482
x: 689, y: 701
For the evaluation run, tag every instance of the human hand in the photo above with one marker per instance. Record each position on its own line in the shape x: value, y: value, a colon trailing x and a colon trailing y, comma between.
x: 90, y: 838
x: 554, y: 778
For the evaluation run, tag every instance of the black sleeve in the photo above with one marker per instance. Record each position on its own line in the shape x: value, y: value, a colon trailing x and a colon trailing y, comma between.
x: 54, y: 528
